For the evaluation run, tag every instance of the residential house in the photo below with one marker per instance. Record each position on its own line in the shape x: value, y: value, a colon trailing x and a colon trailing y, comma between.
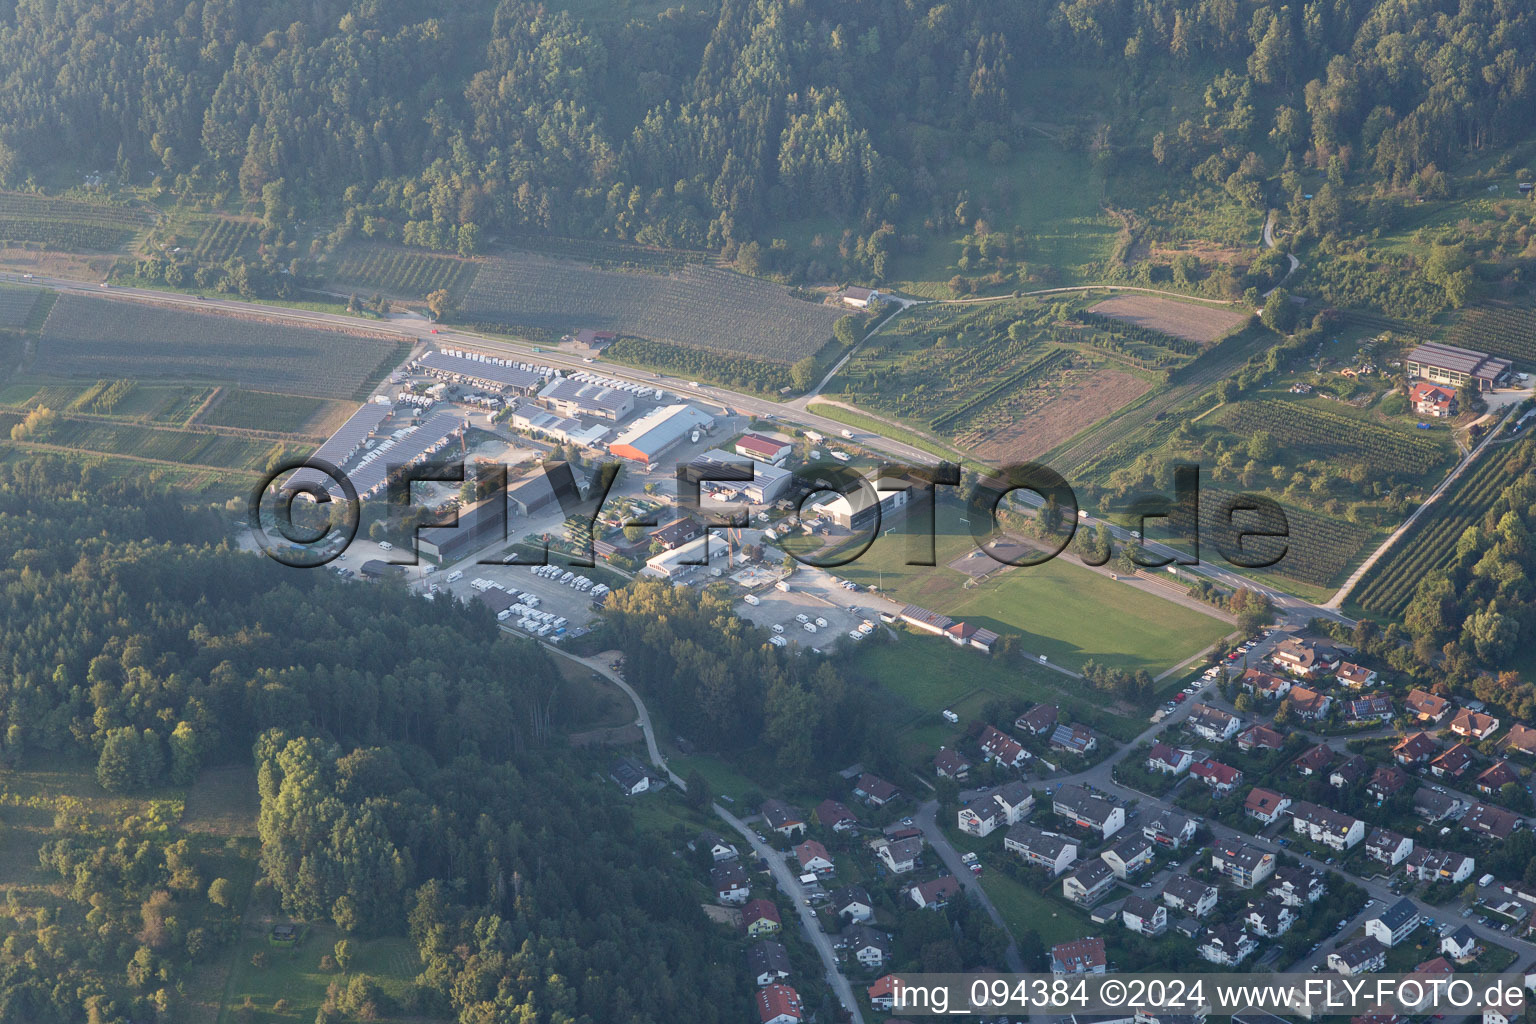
x: 1074, y: 739
x: 1308, y: 704
x: 869, y: 946
x: 882, y: 994
x: 718, y: 848
x: 951, y: 764
x: 1386, y: 782
x: 902, y: 855
x: 1265, y: 804
x: 836, y: 816
x: 1461, y: 944
x: 1039, y: 720
x: 1144, y: 916
x: 1226, y: 945
x: 779, y: 1004
x: 1004, y: 749
x: 935, y: 894
x: 1435, y: 805
x: 1496, y: 778
x: 730, y: 883
x: 1491, y: 822
x: 852, y: 903
x: 1080, y: 956
x: 1245, y: 866
x: 814, y: 857
x: 1259, y: 737
x: 1015, y: 800
x: 761, y: 918
x: 1314, y: 760
x: 767, y: 962
x: 1304, y: 657
x: 1092, y: 879
x: 1473, y: 723
x: 782, y: 818
x: 1221, y: 778
x: 979, y: 819
x: 1426, y: 706
x: 1356, y: 677
x: 1298, y: 886
x: 1128, y: 856
x: 1359, y: 957
x: 1329, y: 827
x: 1521, y: 739
x: 1433, y: 400
x: 1375, y: 708
x: 1415, y: 748
x: 1262, y: 684
x: 1168, y: 829
x: 1168, y: 760
x: 632, y: 777
x: 1453, y: 762
x: 1394, y: 923
x: 874, y: 790
x: 1088, y: 810
x: 1190, y: 895
x: 1269, y: 917
x: 1050, y: 850
x: 1351, y: 771
x: 1213, y: 723
x: 1427, y: 973
x: 1387, y: 847
x: 1426, y: 865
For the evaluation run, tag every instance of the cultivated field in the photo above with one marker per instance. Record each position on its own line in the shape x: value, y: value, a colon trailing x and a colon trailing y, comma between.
x: 188, y: 447
x: 16, y: 305
x: 1503, y: 330
x: 697, y: 307
x: 170, y: 404
x: 1430, y: 543
x: 1303, y: 432
x: 92, y: 337
x: 287, y: 414
x: 1074, y: 400
x: 1317, y: 551
x: 408, y: 273
x: 1187, y: 320
x: 224, y: 237
x: 68, y: 224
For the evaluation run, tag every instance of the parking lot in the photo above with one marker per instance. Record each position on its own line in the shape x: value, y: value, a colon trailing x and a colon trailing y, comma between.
x: 554, y: 597
x: 814, y: 594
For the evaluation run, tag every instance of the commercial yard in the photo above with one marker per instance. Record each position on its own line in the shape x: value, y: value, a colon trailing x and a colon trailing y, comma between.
x: 1189, y: 320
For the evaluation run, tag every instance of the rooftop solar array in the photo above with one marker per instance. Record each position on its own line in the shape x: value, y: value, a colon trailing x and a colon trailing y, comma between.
x: 587, y: 396
x: 349, y: 437
x: 401, y: 450
x: 504, y: 372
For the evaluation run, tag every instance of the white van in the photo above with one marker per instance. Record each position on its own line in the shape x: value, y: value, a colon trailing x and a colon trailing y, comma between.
x: 455, y: 576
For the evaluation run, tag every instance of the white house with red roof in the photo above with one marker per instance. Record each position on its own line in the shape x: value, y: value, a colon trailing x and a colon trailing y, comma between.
x: 779, y: 1004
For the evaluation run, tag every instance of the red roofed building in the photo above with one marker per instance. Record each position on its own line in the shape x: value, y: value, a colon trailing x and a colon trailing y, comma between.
x: 814, y: 857
x: 760, y: 918
x: 1265, y: 804
x: 1220, y: 777
x: 1002, y: 748
x: 1416, y: 748
x: 1495, y: 778
x: 1080, y: 956
x: 1432, y: 400
x: 1259, y: 737
x: 763, y: 449
x: 779, y: 1004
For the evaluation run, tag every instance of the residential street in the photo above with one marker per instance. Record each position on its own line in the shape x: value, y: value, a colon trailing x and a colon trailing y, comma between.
x: 926, y: 819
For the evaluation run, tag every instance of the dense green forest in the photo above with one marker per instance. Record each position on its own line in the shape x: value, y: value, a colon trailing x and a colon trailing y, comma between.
x: 408, y: 782
x: 436, y: 121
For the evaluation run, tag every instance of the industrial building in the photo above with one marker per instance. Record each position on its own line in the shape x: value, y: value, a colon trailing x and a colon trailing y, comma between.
x: 563, y: 430
x: 531, y: 494
x: 490, y: 372
x: 659, y: 431
x: 680, y: 559
x: 1452, y: 366
x: 480, y: 524
x: 764, y: 449
x: 342, y: 445
x: 767, y: 485
x: 571, y: 398
x: 860, y: 510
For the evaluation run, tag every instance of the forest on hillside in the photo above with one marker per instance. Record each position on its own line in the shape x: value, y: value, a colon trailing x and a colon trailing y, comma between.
x: 436, y: 121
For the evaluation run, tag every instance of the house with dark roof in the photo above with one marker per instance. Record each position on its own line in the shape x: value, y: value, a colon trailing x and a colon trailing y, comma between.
x: 782, y: 818
x: 869, y: 946
x: 1092, y: 879
x: 634, y: 778
x: 836, y: 816
x: 1426, y: 865
x: 1226, y: 945
x: 1038, y: 720
x: 1244, y: 865
x: 730, y: 883
x: 1015, y: 800
x: 980, y: 819
x: 1394, y: 923
x: 1495, y: 778
x: 1259, y: 737
x: 1415, y: 748
x: 1351, y: 771
x: 1080, y: 956
x: 903, y: 855
x: 1269, y: 917
x: 1375, y: 708
x: 1386, y: 782
x: 719, y: 849
x: 1089, y: 810
x: 1460, y: 944
x: 1213, y: 723
x: 949, y: 763
x: 935, y: 894
x: 874, y: 790
x: 1521, y: 739
x: 1221, y: 778
x: 1305, y: 657
x: 1262, y: 684
x: 1004, y: 749
x: 1434, y: 805
x: 767, y: 962
x: 1314, y: 760
x: 1128, y: 856
x: 1074, y: 739
x: 1298, y: 886
x: 1050, y: 850
x: 1387, y: 847
x: 1190, y: 895
x: 1326, y: 826
x: 1359, y: 957
x: 1491, y: 822
x: 675, y: 534
x: 1169, y: 829
x: 1144, y: 916
x: 852, y: 903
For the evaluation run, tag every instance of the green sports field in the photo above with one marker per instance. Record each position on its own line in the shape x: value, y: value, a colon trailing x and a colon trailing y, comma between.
x: 1059, y: 609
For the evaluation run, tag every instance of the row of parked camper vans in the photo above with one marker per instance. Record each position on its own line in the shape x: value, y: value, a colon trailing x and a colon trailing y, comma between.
x: 570, y: 579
